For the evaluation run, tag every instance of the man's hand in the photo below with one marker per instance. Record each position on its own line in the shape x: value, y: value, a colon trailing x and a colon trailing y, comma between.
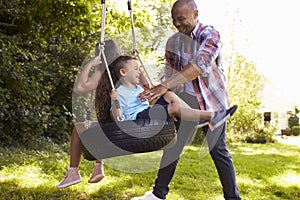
x: 153, y: 93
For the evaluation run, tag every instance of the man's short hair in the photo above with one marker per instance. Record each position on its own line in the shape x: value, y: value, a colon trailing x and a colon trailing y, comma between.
x: 189, y: 3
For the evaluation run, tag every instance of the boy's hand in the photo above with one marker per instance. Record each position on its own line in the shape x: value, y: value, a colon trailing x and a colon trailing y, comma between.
x: 114, y: 94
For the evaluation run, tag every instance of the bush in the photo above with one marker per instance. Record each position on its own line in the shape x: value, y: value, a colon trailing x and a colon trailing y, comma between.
x: 293, y: 120
x: 42, y: 45
x: 41, y: 52
x: 287, y: 131
x: 261, y: 135
x: 296, y: 130
x: 245, y: 125
x: 199, y: 137
x: 32, y: 100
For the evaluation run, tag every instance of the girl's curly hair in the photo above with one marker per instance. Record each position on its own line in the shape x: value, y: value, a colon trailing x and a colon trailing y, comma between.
x: 102, y: 99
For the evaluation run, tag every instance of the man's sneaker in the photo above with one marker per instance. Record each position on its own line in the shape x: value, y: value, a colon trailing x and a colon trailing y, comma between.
x: 221, y: 116
x: 71, y: 178
x: 148, y: 196
x: 98, y: 173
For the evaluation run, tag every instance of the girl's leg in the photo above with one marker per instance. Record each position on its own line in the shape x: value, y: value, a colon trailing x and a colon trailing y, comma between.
x: 98, y: 172
x: 73, y: 176
x: 75, y: 151
x: 178, y: 108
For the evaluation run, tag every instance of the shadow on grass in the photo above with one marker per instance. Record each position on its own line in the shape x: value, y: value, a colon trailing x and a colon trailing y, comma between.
x: 37, y: 180
x: 12, y: 191
x: 264, y: 171
x: 268, y: 171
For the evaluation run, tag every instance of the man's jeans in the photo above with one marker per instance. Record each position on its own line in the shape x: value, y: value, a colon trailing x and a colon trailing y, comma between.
x: 217, y: 144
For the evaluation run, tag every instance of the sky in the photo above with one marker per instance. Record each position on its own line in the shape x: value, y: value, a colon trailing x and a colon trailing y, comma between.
x: 266, y: 33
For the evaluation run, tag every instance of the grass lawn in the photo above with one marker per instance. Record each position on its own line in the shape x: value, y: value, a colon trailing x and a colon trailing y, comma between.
x: 264, y: 171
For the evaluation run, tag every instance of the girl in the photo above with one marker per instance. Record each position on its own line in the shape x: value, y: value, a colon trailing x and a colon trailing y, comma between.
x: 86, y: 83
x: 125, y: 75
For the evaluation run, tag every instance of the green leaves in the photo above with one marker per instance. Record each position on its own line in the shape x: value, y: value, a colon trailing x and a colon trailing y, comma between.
x: 245, y: 86
x: 43, y: 44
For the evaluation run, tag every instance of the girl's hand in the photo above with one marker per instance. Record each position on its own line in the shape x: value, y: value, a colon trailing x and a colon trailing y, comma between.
x: 96, y: 61
x: 114, y: 94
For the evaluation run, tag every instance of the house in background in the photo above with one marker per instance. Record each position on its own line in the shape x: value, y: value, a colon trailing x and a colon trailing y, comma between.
x: 277, y: 107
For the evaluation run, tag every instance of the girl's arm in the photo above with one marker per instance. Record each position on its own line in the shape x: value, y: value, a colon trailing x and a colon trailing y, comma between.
x: 86, y: 83
x: 114, y: 113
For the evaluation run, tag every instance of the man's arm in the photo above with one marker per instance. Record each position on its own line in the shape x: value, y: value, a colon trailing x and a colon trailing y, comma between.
x: 208, y: 50
x: 188, y: 73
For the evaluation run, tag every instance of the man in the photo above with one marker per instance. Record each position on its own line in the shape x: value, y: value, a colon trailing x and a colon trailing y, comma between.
x: 193, y: 70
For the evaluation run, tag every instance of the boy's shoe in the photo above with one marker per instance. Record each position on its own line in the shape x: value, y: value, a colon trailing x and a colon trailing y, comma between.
x: 148, y: 196
x: 71, y: 178
x: 98, y: 174
x: 202, y: 124
x: 221, y: 116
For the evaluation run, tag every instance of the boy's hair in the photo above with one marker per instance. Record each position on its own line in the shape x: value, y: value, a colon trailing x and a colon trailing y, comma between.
x: 102, y: 99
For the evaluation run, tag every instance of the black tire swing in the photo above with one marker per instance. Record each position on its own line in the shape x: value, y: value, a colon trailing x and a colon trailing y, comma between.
x: 125, y: 137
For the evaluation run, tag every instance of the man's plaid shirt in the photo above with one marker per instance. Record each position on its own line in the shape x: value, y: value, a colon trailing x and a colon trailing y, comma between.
x: 202, y: 49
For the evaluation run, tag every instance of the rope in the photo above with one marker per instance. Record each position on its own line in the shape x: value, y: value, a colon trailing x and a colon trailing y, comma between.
x: 103, y: 21
x: 101, y: 48
x: 135, y: 51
